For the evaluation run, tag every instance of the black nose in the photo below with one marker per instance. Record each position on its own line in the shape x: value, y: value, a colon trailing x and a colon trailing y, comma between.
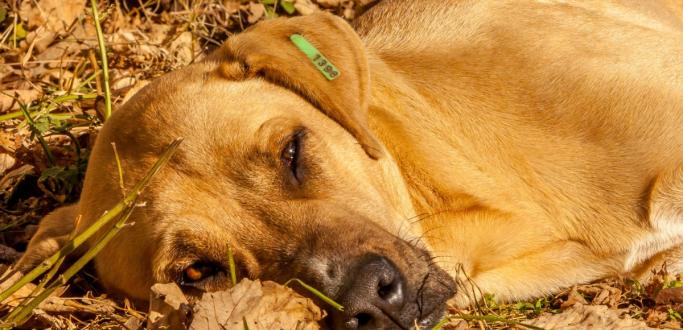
x: 373, y: 296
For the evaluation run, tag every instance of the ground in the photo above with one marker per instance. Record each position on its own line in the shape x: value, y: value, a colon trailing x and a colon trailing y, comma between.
x: 52, y: 105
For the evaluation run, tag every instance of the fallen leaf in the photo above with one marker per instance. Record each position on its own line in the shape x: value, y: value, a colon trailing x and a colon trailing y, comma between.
x: 6, y: 162
x: 168, y: 307
x: 305, y: 7
x: 588, y: 317
x: 573, y: 298
x: 57, y: 15
x: 266, y: 305
x: 328, y: 3
x: 11, y: 99
x: 257, y: 11
x: 655, y: 316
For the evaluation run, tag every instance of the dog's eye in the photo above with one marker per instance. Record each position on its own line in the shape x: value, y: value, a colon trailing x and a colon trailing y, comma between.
x: 197, y: 272
x: 291, y: 154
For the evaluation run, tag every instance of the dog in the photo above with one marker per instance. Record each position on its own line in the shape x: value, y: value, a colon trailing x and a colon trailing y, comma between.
x: 429, y: 150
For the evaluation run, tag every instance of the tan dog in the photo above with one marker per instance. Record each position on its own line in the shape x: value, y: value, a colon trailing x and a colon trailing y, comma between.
x: 530, y: 145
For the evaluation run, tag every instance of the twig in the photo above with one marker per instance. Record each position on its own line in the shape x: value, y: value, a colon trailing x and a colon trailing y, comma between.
x: 103, y: 58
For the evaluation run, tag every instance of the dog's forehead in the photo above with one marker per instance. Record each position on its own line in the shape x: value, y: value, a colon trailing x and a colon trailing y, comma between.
x: 195, y: 99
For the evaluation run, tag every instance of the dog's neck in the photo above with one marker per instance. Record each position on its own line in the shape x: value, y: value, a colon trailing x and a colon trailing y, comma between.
x: 396, y: 122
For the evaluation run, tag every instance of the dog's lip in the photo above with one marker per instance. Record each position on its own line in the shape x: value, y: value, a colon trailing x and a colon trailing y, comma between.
x: 434, y: 317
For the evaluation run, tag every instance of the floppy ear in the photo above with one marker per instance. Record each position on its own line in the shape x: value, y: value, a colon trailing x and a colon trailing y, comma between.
x: 340, y: 90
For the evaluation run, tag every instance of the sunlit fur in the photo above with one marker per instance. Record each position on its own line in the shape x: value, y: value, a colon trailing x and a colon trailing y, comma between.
x: 528, y: 145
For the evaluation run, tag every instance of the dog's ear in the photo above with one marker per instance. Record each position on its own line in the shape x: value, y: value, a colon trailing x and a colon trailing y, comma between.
x: 331, y: 71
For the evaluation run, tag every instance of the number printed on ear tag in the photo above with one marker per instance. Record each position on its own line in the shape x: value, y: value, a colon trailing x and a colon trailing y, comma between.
x: 319, y: 60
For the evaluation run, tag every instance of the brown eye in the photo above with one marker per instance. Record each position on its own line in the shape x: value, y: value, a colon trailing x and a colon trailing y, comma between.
x: 290, y: 155
x: 198, y: 272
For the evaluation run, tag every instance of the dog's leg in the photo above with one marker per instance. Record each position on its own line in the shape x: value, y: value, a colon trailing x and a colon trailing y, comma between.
x: 511, y: 257
x: 552, y: 266
x: 52, y: 234
x: 662, y: 245
x: 545, y: 271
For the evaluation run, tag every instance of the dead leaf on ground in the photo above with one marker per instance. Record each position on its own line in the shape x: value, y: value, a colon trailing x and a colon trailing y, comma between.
x: 588, y: 317
x: 168, y: 307
x: 11, y: 99
x: 573, y: 298
x: 305, y: 7
x: 257, y: 11
x: 266, y: 305
x: 328, y: 3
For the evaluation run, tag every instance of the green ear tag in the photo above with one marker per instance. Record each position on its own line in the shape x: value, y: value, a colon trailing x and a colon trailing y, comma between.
x: 319, y: 60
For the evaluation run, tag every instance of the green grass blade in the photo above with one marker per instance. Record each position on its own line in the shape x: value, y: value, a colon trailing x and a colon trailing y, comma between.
x: 97, y: 225
x: 38, y: 134
x: 231, y: 264
x: 318, y: 294
x: 25, y: 312
x: 103, y: 58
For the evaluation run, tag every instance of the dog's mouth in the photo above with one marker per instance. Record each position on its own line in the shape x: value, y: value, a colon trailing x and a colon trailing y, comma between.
x: 382, y: 281
x: 431, y: 320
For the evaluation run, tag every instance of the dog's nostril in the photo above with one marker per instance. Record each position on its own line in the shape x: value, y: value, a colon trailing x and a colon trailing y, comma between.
x: 374, y: 293
x: 390, y: 287
x: 358, y: 321
x: 390, y: 292
x: 363, y: 319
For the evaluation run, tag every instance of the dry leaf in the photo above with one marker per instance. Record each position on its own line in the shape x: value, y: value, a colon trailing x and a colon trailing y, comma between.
x: 168, y: 307
x: 266, y: 305
x: 6, y: 162
x: 8, y: 279
x: 257, y: 10
x: 656, y: 316
x: 181, y: 48
x: 10, y: 99
x: 56, y: 15
x: 328, y: 3
x: 305, y: 7
x: 573, y: 298
x: 588, y: 317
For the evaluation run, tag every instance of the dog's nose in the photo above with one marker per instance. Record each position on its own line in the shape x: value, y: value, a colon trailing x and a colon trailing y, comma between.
x: 373, y: 297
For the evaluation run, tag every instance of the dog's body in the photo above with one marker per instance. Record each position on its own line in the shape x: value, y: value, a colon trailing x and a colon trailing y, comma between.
x: 538, y: 144
x: 534, y: 137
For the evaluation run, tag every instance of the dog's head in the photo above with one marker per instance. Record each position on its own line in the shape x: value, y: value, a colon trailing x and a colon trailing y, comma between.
x: 279, y: 164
